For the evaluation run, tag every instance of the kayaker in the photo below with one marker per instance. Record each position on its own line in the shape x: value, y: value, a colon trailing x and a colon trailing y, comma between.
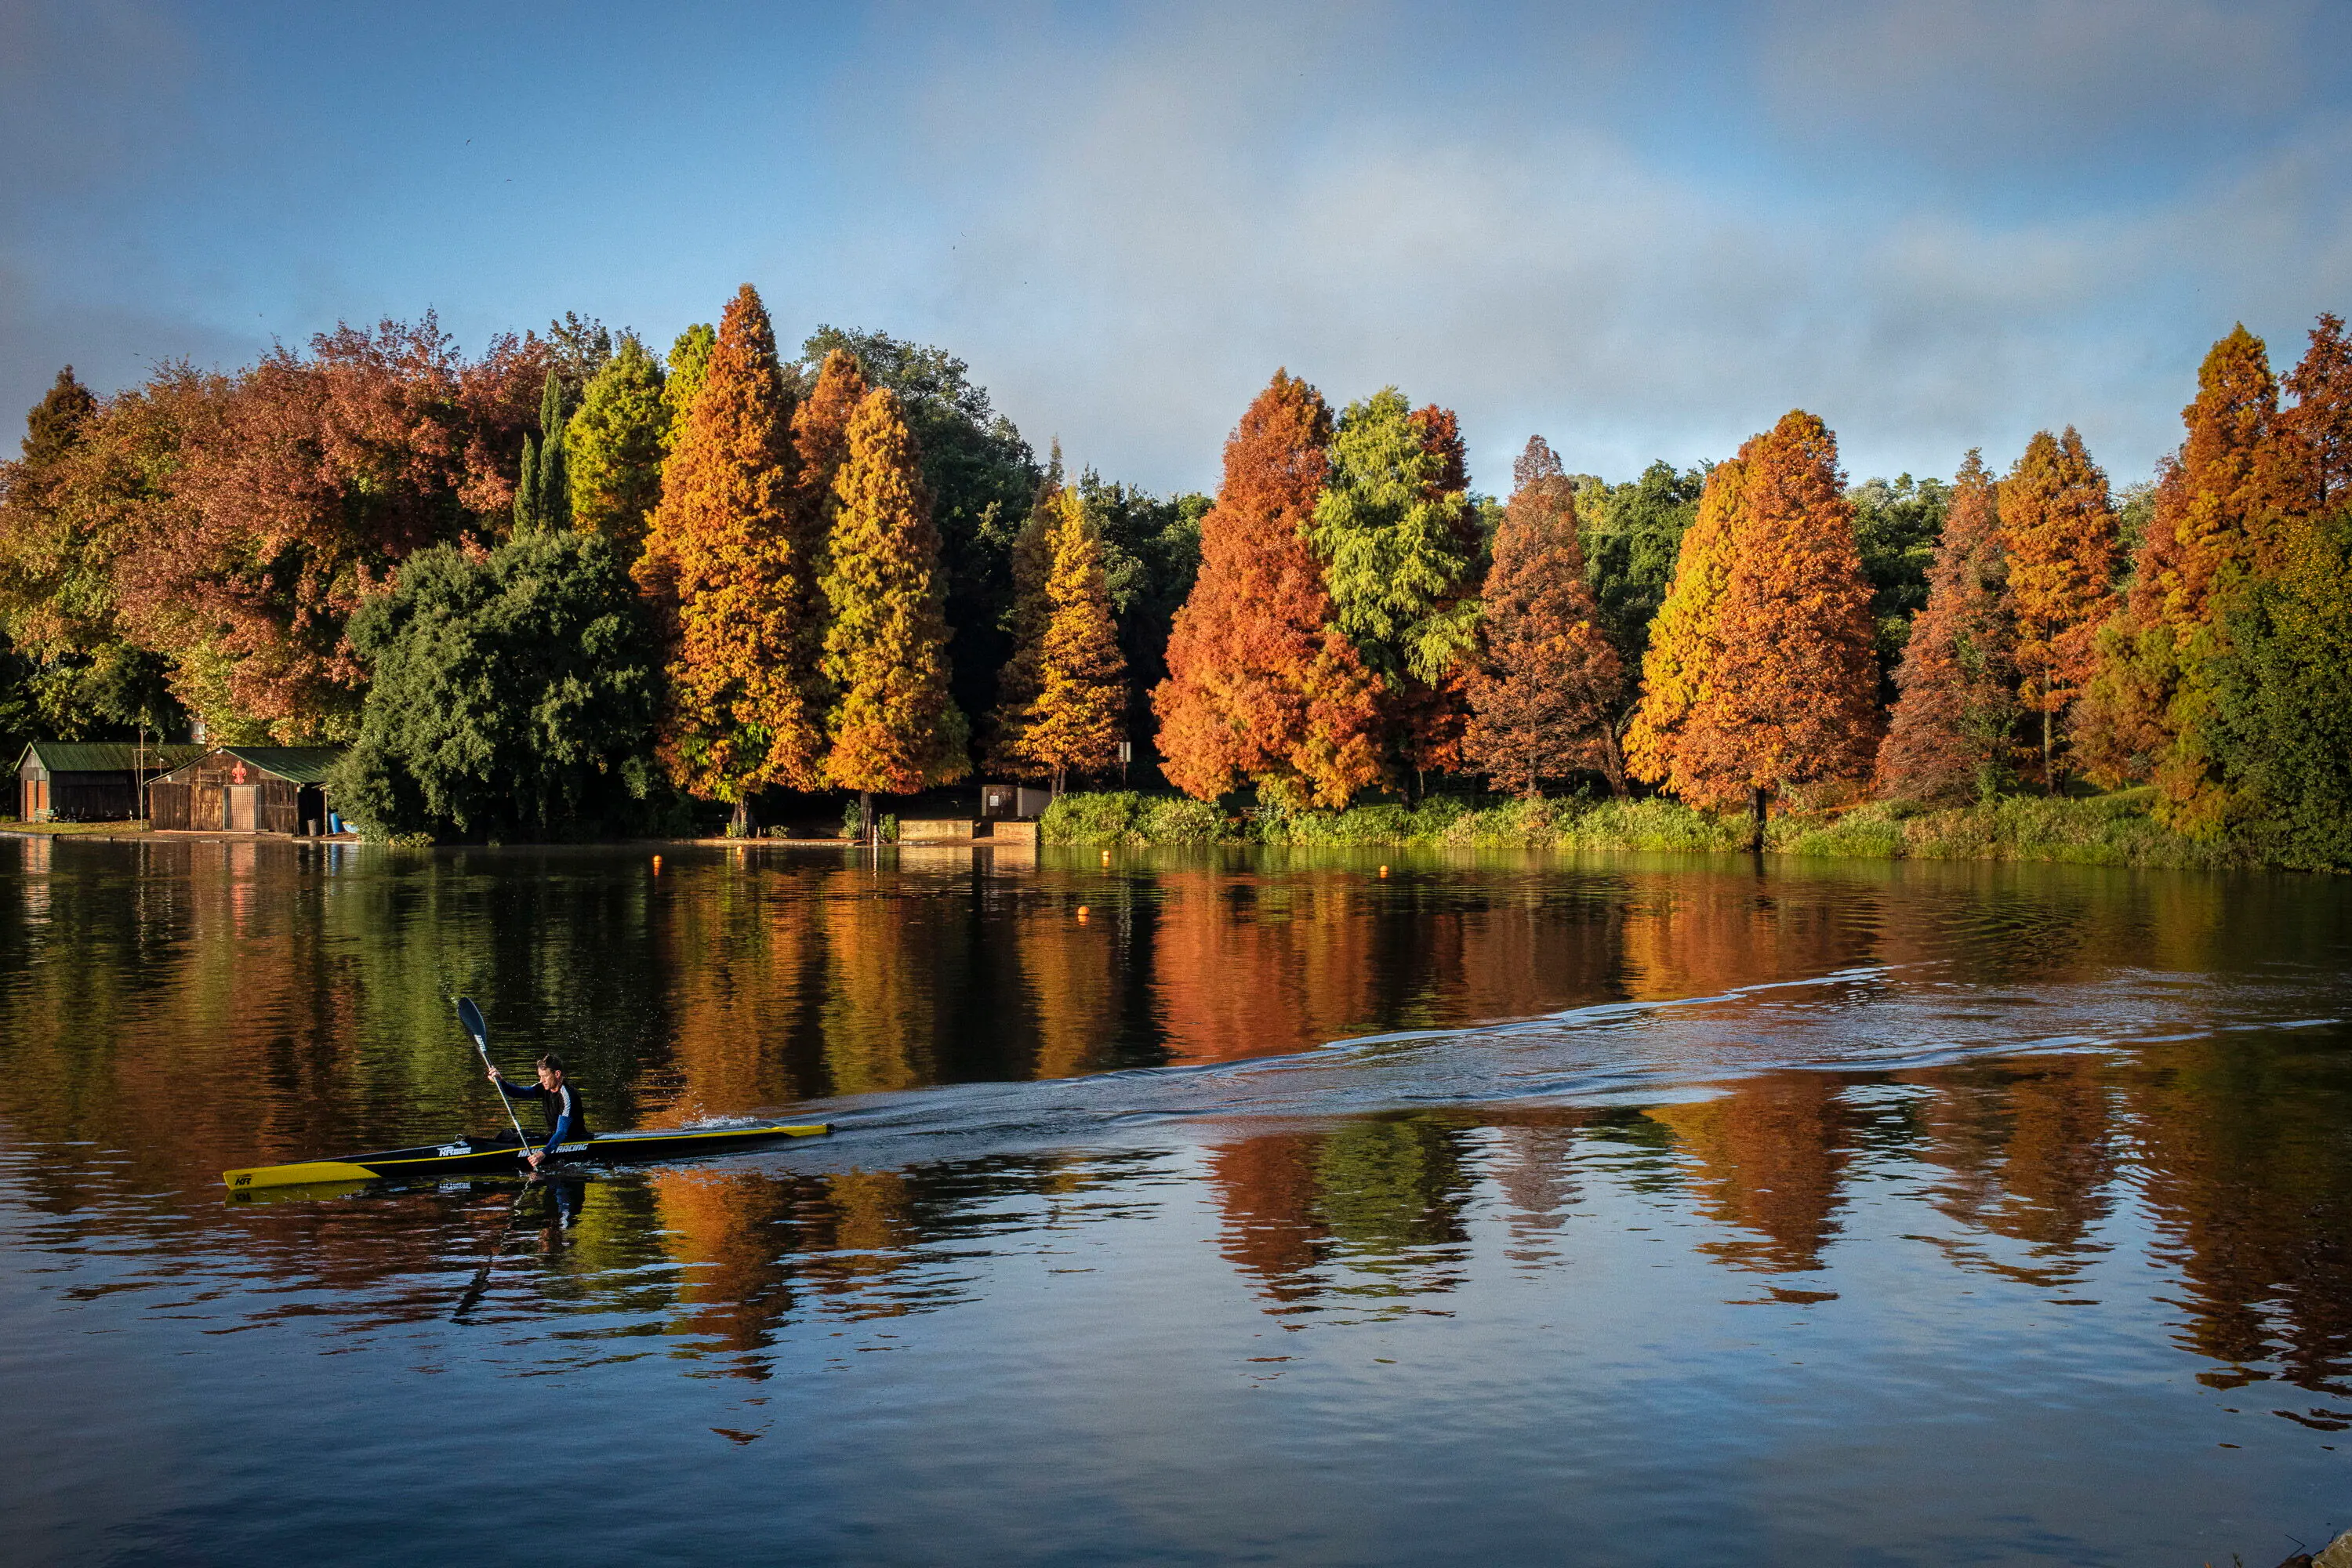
x: 567, y: 1120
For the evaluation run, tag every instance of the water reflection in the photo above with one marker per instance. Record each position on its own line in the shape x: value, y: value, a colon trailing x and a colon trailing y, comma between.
x: 2083, y: 1091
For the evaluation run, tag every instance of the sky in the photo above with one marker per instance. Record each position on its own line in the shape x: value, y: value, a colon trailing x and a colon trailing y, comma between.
x: 1642, y: 231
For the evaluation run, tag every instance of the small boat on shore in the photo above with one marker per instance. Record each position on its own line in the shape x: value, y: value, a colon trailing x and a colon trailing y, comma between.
x: 502, y: 1155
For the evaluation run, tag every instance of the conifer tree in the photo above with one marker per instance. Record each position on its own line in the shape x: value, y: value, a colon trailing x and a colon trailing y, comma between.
x: 613, y: 444
x: 2322, y: 416
x: 1544, y: 679
x: 2121, y: 724
x: 1793, y: 697
x: 2058, y: 538
x: 1401, y: 546
x: 689, y: 360
x: 892, y: 727
x: 1682, y: 649
x: 1261, y: 686
x: 1949, y: 739
x: 554, y: 473
x: 821, y: 435
x: 1077, y: 720
x: 728, y: 561
x: 526, y: 496
x: 1019, y: 679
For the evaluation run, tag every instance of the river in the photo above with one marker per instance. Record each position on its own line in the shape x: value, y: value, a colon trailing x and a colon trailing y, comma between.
x: 1224, y: 1207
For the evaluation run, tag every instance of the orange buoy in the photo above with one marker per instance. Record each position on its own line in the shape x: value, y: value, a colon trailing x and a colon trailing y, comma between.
x: 1082, y: 912
x: 657, y: 865
x: 1384, y: 870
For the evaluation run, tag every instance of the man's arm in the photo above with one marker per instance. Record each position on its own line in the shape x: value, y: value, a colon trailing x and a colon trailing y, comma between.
x: 562, y: 1128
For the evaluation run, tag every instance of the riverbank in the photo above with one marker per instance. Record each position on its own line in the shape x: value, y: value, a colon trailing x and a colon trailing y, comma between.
x: 2102, y: 830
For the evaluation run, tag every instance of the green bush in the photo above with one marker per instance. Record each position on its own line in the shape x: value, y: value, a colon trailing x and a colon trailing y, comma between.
x: 1106, y: 816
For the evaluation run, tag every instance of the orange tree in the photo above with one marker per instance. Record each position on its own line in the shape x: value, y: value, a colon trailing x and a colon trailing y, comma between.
x: 893, y: 727
x: 1792, y: 696
x: 1682, y: 638
x: 730, y: 565
x: 1949, y: 736
x: 1543, y: 679
x: 1261, y: 686
x: 1077, y: 719
x: 2058, y: 537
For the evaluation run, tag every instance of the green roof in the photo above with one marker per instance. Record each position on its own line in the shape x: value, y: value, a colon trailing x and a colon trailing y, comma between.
x: 107, y: 756
x: 296, y: 764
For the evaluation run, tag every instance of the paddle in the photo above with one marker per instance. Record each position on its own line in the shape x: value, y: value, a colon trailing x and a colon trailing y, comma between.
x: 482, y: 1274
x: 471, y: 1016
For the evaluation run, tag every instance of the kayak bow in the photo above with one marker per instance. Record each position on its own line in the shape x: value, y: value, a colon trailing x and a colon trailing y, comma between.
x: 491, y: 1157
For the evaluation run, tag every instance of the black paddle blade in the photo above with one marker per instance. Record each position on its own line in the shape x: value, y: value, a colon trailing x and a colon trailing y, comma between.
x: 471, y: 1016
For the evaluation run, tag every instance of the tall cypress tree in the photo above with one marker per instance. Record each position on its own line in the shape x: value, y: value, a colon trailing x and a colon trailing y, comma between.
x: 1793, y: 695
x: 1077, y: 719
x: 1544, y: 678
x: 555, y: 470
x: 1262, y: 685
x: 1683, y: 645
x: 893, y: 727
x: 1018, y: 681
x: 727, y: 560
x: 2058, y: 538
x: 1950, y: 734
x: 526, y: 497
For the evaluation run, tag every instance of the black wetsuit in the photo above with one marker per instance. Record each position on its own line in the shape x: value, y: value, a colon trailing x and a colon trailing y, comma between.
x: 567, y: 1120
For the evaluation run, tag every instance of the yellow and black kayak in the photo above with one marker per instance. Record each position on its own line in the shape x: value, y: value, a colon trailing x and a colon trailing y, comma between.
x: 500, y: 1156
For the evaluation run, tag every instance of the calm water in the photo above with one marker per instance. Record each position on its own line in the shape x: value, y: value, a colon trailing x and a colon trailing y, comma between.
x: 1183, y: 1209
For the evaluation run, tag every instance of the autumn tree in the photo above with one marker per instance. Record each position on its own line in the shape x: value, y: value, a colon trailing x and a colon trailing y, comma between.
x: 1401, y: 546
x: 1261, y: 686
x: 295, y: 489
x: 1543, y: 679
x: 820, y: 436
x: 613, y: 446
x: 1078, y: 716
x: 2058, y: 539
x: 1792, y: 697
x: 1025, y: 620
x: 729, y: 561
x: 689, y: 360
x: 2322, y: 416
x: 894, y: 727
x: 1949, y: 736
x: 1682, y: 645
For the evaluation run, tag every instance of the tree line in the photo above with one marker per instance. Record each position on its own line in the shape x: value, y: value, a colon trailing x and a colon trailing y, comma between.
x: 573, y: 581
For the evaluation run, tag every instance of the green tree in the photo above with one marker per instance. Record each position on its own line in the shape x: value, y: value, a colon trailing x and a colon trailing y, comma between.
x: 1896, y: 526
x: 511, y: 693
x: 1631, y: 534
x: 613, y: 445
x: 689, y: 359
x: 1025, y: 619
x: 895, y: 727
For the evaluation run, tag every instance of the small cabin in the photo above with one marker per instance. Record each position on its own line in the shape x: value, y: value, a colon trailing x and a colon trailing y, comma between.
x: 91, y: 781
x: 245, y: 789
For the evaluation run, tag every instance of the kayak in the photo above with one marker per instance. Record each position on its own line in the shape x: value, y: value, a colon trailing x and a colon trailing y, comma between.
x: 493, y: 1156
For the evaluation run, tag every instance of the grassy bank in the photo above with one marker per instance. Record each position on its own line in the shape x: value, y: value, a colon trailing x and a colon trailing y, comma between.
x: 2106, y: 830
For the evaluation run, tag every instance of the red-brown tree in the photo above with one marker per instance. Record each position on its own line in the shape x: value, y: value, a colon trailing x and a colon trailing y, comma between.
x: 1952, y: 729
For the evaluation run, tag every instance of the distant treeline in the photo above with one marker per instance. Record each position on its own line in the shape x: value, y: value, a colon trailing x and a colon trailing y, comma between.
x: 575, y: 585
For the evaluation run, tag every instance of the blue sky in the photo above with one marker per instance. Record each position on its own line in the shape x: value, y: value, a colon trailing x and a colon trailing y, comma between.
x: 1642, y: 231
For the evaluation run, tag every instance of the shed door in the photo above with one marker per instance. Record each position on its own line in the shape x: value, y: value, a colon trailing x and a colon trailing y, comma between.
x: 240, y: 807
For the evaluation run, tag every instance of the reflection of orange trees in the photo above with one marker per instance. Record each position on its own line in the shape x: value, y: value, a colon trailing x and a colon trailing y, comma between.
x: 1770, y: 1156
x: 2249, y: 1179
x: 735, y: 961
x: 1520, y: 954
x: 2032, y: 1152
x: 881, y: 1010
x: 1379, y: 1197
x: 1533, y: 1177
x: 1071, y: 974
x: 726, y: 1235
x: 1243, y: 968
x: 1697, y: 934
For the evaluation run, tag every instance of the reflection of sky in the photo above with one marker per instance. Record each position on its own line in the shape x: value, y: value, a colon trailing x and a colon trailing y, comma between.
x: 1058, y: 1363
x: 1642, y: 231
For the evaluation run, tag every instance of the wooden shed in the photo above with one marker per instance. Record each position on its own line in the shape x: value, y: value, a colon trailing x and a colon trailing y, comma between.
x: 245, y: 789
x: 89, y: 781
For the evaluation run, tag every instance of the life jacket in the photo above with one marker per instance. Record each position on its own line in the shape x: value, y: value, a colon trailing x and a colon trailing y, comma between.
x: 555, y: 1102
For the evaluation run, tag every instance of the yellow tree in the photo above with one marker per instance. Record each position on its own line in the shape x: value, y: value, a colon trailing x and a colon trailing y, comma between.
x: 1683, y: 646
x: 893, y: 727
x: 1793, y: 696
x: 2058, y: 539
x: 1075, y: 723
x: 733, y: 568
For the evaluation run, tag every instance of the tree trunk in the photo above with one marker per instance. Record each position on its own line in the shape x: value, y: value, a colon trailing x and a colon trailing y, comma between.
x: 1756, y: 801
x: 1060, y: 774
x: 2049, y: 780
x: 865, y: 815
x: 744, y: 824
x: 1612, y: 762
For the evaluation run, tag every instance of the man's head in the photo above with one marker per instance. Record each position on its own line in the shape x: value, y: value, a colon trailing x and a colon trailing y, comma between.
x: 551, y: 1070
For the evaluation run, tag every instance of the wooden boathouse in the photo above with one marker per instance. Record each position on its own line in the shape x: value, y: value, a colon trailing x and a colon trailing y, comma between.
x: 91, y: 781
x: 245, y: 789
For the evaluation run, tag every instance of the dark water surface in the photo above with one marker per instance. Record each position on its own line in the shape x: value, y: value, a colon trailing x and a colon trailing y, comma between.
x: 1192, y: 1209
